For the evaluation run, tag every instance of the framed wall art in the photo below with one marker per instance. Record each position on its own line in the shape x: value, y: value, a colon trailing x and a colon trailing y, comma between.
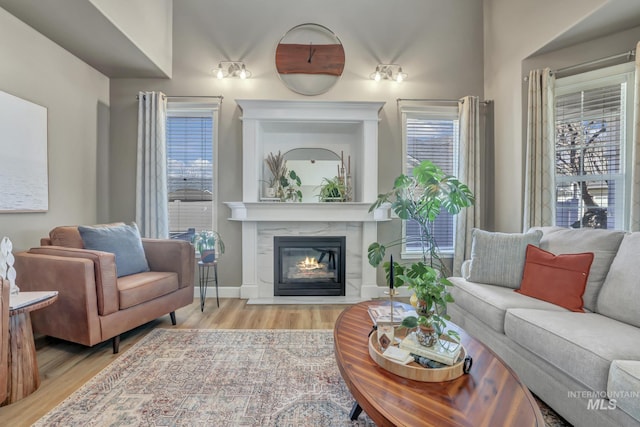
x: 24, y: 184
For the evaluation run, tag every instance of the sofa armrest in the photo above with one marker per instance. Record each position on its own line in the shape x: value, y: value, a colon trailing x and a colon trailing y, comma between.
x: 171, y: 256
x: 104, y: 269
x: 74, y: 316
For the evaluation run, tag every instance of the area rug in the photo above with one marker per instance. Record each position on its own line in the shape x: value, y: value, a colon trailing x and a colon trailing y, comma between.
x: 196, y: 377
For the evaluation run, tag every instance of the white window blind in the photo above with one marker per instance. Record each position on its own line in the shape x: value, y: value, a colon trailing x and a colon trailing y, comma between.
x: 591, y: 118
x: 431, y: 135
x: 190, y: 171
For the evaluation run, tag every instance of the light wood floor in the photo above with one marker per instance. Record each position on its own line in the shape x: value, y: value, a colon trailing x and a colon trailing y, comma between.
x: 65, y: 366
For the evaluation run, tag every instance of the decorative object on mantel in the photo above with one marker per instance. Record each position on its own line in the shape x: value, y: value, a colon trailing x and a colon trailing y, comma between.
x: 276, y: 165
x: 290, y: 186
x: 205, y: 243
x: 284, y: 185
x: 6, y: 265
x: 340, y: 187
x: 420, y: 198
x: 332, y: 190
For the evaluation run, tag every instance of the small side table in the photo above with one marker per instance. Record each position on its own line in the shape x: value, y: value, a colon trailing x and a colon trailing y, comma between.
x: 24, y: 378
x: 205, y: 279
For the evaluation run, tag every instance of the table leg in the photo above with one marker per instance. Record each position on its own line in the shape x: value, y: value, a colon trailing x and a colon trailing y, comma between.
x: 23, y: 378
x: 356, y: 410
x: 204, y: 273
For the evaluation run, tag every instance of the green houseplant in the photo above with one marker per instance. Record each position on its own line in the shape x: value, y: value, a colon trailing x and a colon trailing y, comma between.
x: 332, y: 190
x: 290, y: 184
x: 421, y: 198
x: 205, y: 243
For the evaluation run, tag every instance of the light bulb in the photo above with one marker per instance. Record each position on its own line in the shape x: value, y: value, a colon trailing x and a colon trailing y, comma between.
x: 377, y: 76
x: 400, y: 75
x: 243, y: 73
x: 219, y: 73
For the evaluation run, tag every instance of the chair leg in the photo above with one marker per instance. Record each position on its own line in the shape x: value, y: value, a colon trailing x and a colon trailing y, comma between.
x: 173, y: 318
x: 116, y: 344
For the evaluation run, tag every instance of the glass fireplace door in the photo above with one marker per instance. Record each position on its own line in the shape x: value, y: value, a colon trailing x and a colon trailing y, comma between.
x: 309, y: 266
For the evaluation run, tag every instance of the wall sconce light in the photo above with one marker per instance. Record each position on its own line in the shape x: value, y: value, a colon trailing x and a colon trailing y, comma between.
x: 389, y: 72
x: 231, y: 69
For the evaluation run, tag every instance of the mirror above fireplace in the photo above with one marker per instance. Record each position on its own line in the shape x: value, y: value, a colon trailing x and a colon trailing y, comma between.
x: 312, y: 165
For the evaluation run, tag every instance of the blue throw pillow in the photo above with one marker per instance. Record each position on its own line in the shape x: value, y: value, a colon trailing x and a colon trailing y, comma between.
x: 124, y: 241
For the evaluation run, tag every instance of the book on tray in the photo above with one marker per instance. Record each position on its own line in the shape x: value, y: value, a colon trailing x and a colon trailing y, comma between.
x: 436, y: 353
x: 382, y: 313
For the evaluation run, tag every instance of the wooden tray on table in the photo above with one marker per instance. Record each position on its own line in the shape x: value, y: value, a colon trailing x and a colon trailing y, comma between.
x: 413, y: 370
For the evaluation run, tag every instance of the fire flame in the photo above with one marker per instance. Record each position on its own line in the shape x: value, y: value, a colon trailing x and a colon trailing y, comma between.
x: 308, y: 264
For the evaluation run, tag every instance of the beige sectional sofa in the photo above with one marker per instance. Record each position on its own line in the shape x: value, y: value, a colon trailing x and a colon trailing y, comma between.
x: 586, y: 366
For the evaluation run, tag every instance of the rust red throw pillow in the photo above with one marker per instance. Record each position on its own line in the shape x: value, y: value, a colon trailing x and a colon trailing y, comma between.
x: 558, y: 279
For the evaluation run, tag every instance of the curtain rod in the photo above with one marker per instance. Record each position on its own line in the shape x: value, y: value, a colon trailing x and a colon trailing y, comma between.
x: 438, y: 100
x: 220, y: 97
x: 629, y: 54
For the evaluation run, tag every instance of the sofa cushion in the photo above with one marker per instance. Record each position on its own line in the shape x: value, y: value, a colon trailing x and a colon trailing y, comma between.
x: 583, y: 345
x: 624, y: 386
x: 620, y: 292
x: 69, y: 236
x: 603, y: 243
x: 135, y: 289
x: 558, y: 279
x: 124, y: 241
x: 498, y: 258
x: 489, y: 303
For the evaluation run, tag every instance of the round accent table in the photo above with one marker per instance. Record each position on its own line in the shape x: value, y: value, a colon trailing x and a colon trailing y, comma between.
x: 24, y: 378
x: 205, y: 278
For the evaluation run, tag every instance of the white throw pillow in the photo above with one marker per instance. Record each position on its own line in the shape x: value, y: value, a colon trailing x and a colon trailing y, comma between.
x: 498, y: 258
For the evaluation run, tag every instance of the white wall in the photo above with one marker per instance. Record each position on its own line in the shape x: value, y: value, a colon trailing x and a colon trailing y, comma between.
x: 77, y: 100
x: 438, y: 43
x: 513, y: 30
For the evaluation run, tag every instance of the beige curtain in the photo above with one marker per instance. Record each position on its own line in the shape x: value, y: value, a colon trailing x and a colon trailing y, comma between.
x: 152, y: 210
x: 539, y: 192
x: 635, y: 166
x: 469, y: 168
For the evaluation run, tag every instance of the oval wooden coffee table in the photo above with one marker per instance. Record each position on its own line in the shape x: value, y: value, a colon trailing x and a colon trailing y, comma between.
x: 489, y: 395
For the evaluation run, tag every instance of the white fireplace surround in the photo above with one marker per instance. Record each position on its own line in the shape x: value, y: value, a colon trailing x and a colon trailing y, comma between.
x: 342, y: 127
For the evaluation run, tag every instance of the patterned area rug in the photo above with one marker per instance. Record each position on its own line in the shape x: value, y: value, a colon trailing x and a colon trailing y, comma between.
x: 178, y: 377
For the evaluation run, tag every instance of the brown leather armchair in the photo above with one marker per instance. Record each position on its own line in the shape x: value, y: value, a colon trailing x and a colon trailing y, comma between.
x: 95, y: 305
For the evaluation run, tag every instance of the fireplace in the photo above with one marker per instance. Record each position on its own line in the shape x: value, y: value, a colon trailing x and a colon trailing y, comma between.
x: 269, y: 126
x: 308, y: 266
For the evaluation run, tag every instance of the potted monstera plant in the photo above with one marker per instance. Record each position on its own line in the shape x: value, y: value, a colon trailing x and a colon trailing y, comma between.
x: 420, y: 198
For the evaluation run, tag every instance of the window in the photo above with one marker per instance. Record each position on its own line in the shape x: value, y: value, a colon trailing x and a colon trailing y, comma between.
x: 191, y: 167
x: 430, y: 133
x: 593, y: 118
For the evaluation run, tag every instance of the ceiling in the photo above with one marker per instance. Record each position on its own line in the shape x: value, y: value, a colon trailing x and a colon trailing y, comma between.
x: 614, y: 16
x: 79, y: 27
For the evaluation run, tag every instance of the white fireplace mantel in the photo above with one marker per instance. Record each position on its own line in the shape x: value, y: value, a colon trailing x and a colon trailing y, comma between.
x: 306, y: 212
x: 346, y: 128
